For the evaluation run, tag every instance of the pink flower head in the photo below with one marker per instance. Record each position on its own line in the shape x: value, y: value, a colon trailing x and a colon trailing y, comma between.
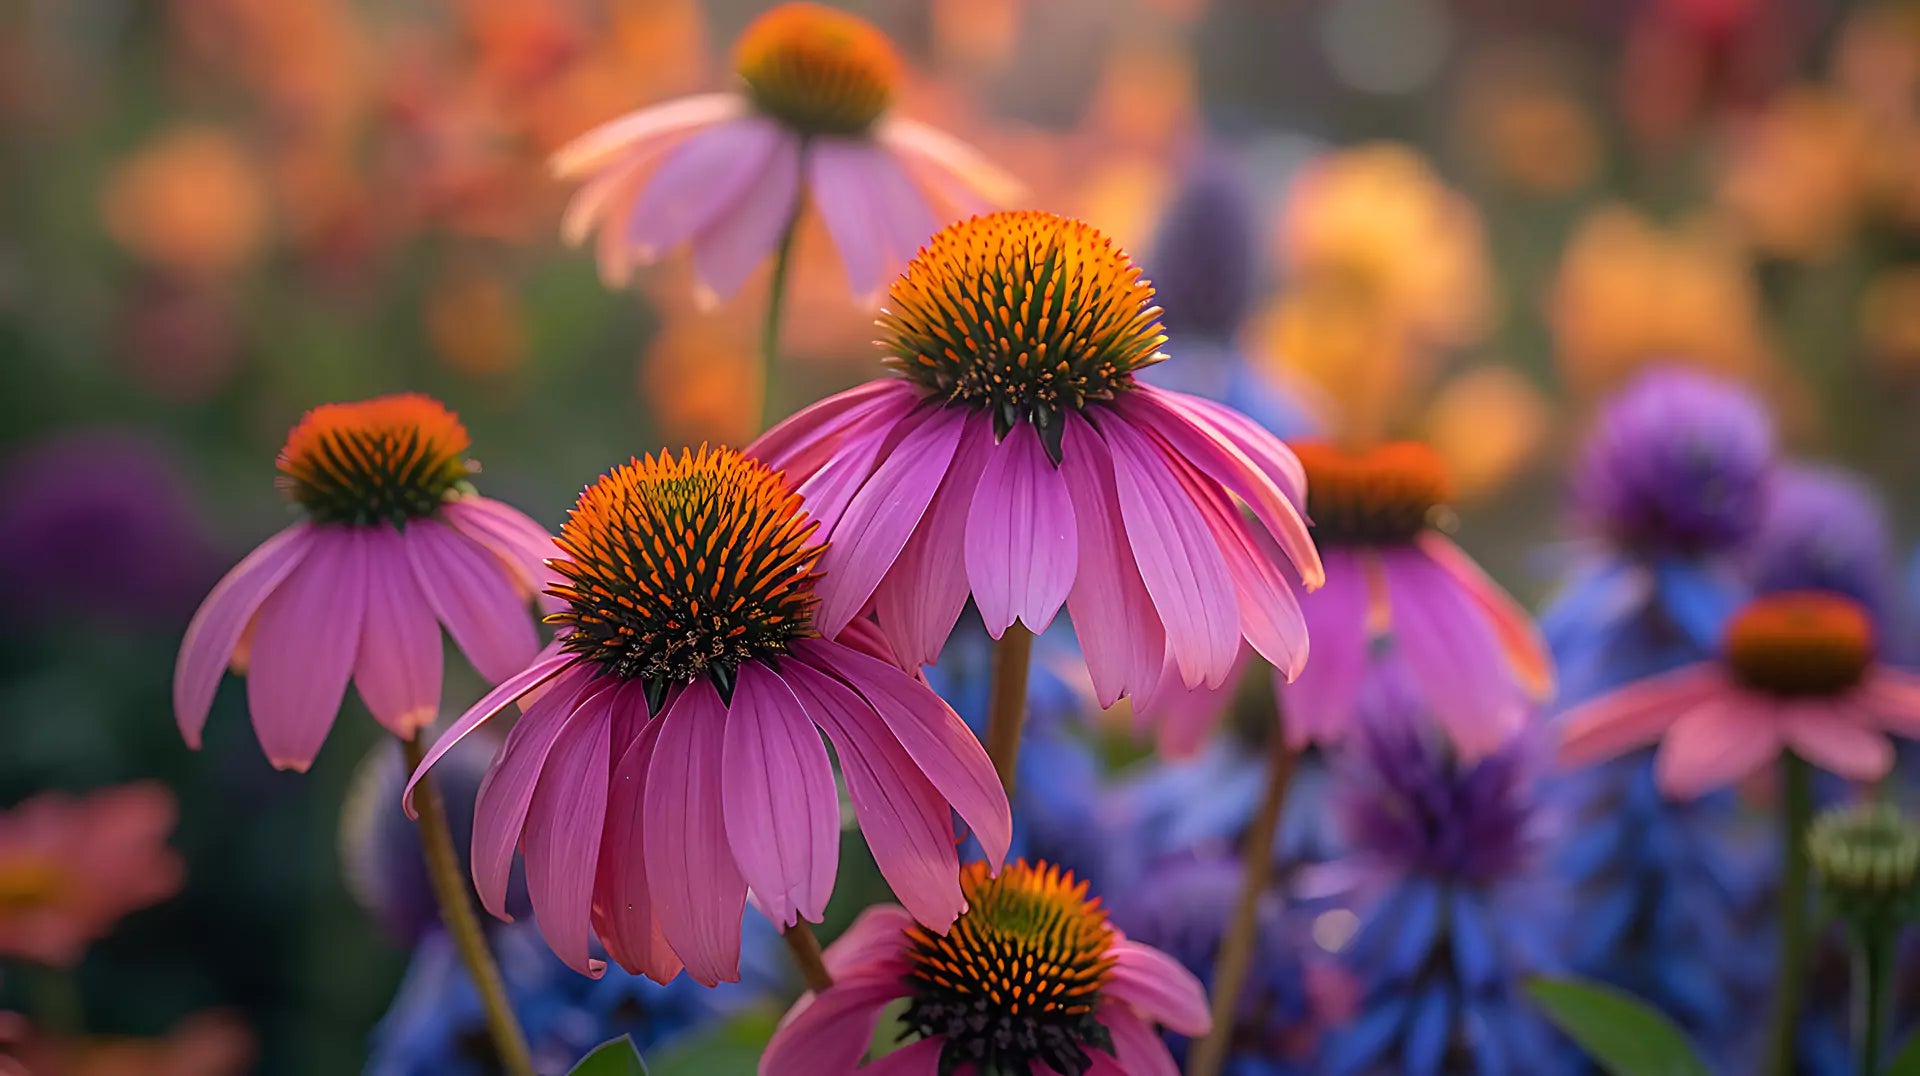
x: 672, y: 759
x: 395, y: 544
x: 1796, y: 673
x: 1032, y: 978
x: 1018, y: 460
x: 724, y: 173
x: 71, y: 867
x: 1471, y: 651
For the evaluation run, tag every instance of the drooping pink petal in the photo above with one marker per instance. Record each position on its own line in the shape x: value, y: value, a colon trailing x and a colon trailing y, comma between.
x: 1183, y: 716
x: 397, y: 669
x: 1270, y: 617
x: 1136, y: 1047
x: 924, y: 592
x: 1021, y: 545
x: 704, y: 177
x: 961, y: 174
x: 1255, y: 442
x: 875, y: 942
x: 305, y: 637
x: 830, y: 490
x: 506, y: 792
x: 222, y: 619
x: 829, y: 1033
x: 732, y: 245
x: 1178, y: 558
x: 877, y: 523
x: 1892, y: 696
x: 901, y: 214
x: 906, y: 822
x: 921, y: 1058
x: 475, y: 597
x: 1838, y: 739
x: 1113, y: 616
x: 1717, y: 743
x: 551, y: 662
x: 782, y: 814
x: 841, y: 179
x: 698, y: 893
x: 1452, y: 653
x: 1319, y: 703
x: 1160, y: 987
x: 509, y: 534
x: 613, y: 257
x: 561, y: 842
x: 622, y: 904
x: 1520, y: 639
x: 805, y: 440
x: 939, y: 742
x: 616, y: 138
x: 1636, y: 715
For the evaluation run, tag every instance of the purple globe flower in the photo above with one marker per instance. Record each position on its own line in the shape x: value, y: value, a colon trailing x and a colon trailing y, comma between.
x: 1678, y: 462
x: 1205, y: 260
x: 1824, y: 529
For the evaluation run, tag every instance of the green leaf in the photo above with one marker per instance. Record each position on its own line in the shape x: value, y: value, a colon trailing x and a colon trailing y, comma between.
x: 616, y: 1057
x: 729, y: 1049
x: 1620, y: 1032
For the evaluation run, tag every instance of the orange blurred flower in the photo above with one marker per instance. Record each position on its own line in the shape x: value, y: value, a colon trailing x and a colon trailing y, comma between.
x: 206, y: 1044
x: 70, y: 867
x: 1489, y: 424
x: 191, y: 201
x: 1798, y: 173
x: 1526, y: 126
x: 1890, y: 321
x: 475, y: 323
x: 703, y: 382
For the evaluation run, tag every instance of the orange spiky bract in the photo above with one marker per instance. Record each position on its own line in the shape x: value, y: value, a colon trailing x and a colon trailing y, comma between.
x: 1024, y: 314
x: 817, y: 69
x: 678, y: 567
x: 1383, y: 496
x: 1800, y: 644
x: 384, y: 460
x: 1017, y: 979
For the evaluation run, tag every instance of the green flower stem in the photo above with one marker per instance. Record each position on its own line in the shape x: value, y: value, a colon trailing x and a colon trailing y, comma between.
x: 1872, y: 976
x: 770, y: 331
x: 1007, y: 709
x: 462, y: 922
x: 1796, y: 811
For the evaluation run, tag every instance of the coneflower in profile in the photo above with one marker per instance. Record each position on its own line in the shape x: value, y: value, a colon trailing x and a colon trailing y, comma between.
x: 395, y: 544
x: 672, y: 758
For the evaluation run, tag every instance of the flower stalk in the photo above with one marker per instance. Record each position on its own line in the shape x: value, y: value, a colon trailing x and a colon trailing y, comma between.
x: 1007, y: 705
x: 770, y: 330
x: 805, y: 947
x: 1796, y: 811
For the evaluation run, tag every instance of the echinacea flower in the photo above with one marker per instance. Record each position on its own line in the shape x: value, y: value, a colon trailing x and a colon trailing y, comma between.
x: 1032, y: 979
x: 725, y: 173
x: 395, y: 543
x: 1467, y: 645
x: 1017, y: 459
x: 672, y: 758
x: 1796, y: 673
x: 70, y: 867
x: 1824, y: 529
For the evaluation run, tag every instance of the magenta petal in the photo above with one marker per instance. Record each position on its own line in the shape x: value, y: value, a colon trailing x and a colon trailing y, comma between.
x: 1138, y: 1049
x: 729, y: 248
x: 923, y: 594
x: 1265, y: 451
x: 507, y: 533
x: 782, y: 814
x: 1269, y: 613
x: 839, y: 172
x: 506, y: 793
x: 1179, y: 559
x: 549, y: 665
x: 920, y: 1058
x: 474, y: 595
x: 398, y: 666
x: 221, y: 621
x: 622, y: 904
x: 305, y: 637
x: 697, y: 890
x: 1113, y: 616
x: 1715, y: 744
x: 906, y: 822
x: 1838, y: 741
x: 561, y: 842
x: 901, y: 214
x: 1022, y: 547
x: 1160, y: 987
x: 1320, y: 701
x: 804, y: 441
x: 702, y: 178
x: 1452, y: 653
x: 830, y: 490
x: 876, y: 939
x: 877, y: 523
x: 828, y: 1033
x: 939, y: 742
x: 1636, y: 715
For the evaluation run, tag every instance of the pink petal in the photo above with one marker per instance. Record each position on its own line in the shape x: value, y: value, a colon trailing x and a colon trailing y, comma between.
x: 1184, y: 716
x: 1716, y: 743
x: 906, y: 821
x: 831, y: 489
x: 618, y: 137
x: 1519, y: 638
x: 221, y: 621
x: 729, y: 248
x: 622, y: 905
x: 1894, y: 697
x: 397, y: 669
x: 474, y: 595
x: 782, y: 814
x: 877, y: 523
x: 509, y: 534
x: 804, y: 441
x: 925, y: 591
x: 305, y: 637
x: 1159, y: 986
x: 830, y: 1034
x: 703, y: 178
x: 1270, y: 617
x: 1837, y: 739
x: 901, y: 213
x: 1452, y: 654
x: 853, y: 184
x: 960, y: 173
x: 1113, y: 616
x: 1136, y: 1047
x: 921, y: 1058
x: 551, y: 662
x: 1273, y: 458
x: 1179, y: 559
x: 697, y: 890
x: 875, y: 942
x: 1635, y: 715
x: 506, y: 793
x: 562, y: 837
x: 1021, y: 546
x: 1320, y: 701
x: 938, y: 741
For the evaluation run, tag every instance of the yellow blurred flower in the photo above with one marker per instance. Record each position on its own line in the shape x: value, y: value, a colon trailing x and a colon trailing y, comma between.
x: 475, y: 323
x: 1797, y: 174
x: 702, y: 382
x: 190, y: 201
x: 1489, y: 424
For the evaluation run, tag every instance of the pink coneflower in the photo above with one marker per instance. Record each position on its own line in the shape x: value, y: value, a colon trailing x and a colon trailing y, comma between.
x: 673, y: 757
x: 1469, y: 647
x: 1018, y: 460
x: 1796, y: 673
x: 724, y: 172
x: 395, y: 539
x: 1031, y: 979
x: 70, y: 867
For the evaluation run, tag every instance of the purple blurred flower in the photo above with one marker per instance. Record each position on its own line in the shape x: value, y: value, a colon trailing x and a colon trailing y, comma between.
x: 1824, y: 529
x: 1205, y: 261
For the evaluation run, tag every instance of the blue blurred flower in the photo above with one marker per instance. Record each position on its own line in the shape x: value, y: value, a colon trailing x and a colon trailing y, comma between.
x: 1204, y: 804
x: 1825, y: 529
